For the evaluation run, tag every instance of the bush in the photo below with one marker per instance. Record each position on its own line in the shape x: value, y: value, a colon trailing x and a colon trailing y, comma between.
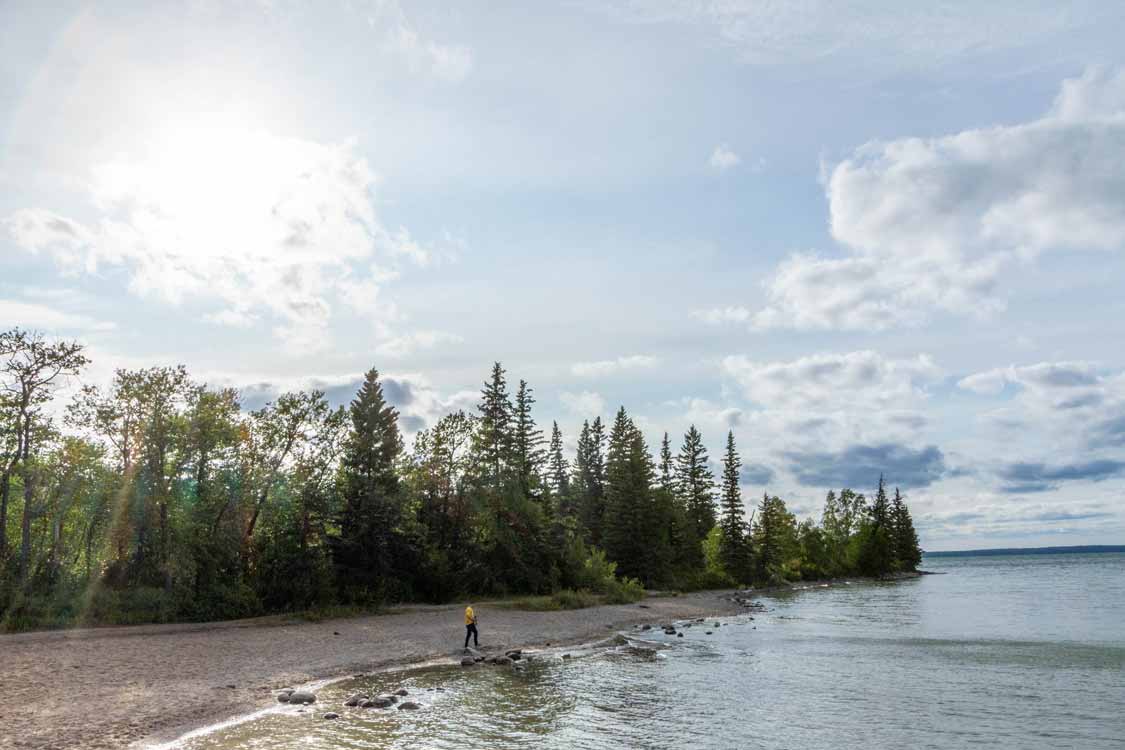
x: 625, y: 591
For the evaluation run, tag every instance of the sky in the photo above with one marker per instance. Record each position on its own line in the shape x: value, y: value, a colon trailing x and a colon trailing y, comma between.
x: 864, y: 236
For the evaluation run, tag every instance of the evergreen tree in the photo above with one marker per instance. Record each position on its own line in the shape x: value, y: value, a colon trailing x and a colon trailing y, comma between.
x: 630, y: 534
x: 527, y: 443
x: 875, y: 555
x: 734, y: 547
x: 907, y: 552
x: 592, y: 501
x: 368, y: 550
x: 775, y: 540
x: 694, y: 485
x: 494, y: 432
x: 667, y: 481
x: 558, y: 470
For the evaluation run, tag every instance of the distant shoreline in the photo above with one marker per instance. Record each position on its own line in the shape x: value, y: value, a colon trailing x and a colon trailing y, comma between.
x: 1085, y: 549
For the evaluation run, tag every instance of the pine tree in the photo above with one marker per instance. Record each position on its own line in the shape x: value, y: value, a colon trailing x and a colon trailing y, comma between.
x: 368, y: 549
x: 558, y: 470
x: 734, y: 548
x: 904, y: 539
x: 876, y: 556
x: 592, y: 501
x: 527, y: 442
x: 694, y: 485
x: 667, y: 482
x: 630, y: 534
x: 494, y: 433
x: 774, y: 538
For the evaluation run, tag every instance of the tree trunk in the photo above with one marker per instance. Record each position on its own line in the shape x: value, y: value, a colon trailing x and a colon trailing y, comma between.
x: 25, y: 527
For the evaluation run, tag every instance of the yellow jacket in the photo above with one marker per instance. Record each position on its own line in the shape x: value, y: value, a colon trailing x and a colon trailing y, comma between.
x: 470, y: 618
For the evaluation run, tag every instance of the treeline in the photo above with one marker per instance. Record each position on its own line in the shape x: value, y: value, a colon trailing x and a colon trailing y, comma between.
x: 156, y: 498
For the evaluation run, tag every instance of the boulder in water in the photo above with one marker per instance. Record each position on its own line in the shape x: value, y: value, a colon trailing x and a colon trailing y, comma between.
x: 381, y: 702
x: 401, y: 691
x: 355, y: 700
x: 502, y: 661
x: 300, y: 697
x: 332, y: 715
x: 468, y: 661
x: 408, y: 706
x: 646, y: 626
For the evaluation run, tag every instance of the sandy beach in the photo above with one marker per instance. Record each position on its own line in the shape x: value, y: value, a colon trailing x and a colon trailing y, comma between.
x: 116, y: 687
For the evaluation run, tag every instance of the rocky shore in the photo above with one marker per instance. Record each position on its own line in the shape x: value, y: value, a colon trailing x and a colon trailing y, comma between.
x: 120, y: 687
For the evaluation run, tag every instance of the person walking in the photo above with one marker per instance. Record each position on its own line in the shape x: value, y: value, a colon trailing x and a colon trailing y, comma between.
x: 471, y: 626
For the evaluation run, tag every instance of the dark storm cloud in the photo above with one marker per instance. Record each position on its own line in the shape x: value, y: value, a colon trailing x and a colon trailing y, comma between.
x: 398, y: 392
x: 859, y: 466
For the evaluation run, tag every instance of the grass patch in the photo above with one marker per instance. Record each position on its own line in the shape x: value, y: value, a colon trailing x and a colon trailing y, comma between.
x: 624, y: 593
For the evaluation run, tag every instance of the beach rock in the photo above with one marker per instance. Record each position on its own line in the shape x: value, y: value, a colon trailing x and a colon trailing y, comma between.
x: 708, y: 632
x: 679, y: 635
x: 388, y: 696
x: 502, y: 661
x: 408, y: 706
x: 301, y: 697
x: 332, y: 715
x: 283, y: 697
x: 401, y: 691
x: 472, y: 652
x: 566, y: 656
x: 355, y: 700
x: 643, y: 606
x: 468, y: 661
x: 646, y: 626
x: 383, y: 701
x: 367, y: 703
x: 514, y: 654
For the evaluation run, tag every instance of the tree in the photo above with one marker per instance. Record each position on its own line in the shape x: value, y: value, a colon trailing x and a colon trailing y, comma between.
x: 527, y: 442
x: 904, y: 539
x: 630, y: 534
x: 734, y: 546
x: 874, y: 556
x: 775, y: 540
x: 590, y: 479
x: 694, y: 485
x: 558, y: 469
x: 365, y: 552
x: 494, y: 432
x: 30, y: 367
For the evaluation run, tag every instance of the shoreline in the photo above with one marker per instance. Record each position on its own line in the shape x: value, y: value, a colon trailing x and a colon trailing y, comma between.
x: 149, y: 685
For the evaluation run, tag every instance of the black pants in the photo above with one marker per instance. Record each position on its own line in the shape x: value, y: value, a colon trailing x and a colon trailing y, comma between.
x: 471, y: 630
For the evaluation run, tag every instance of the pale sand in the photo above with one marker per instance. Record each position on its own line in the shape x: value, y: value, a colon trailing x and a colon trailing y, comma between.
x: 112, y: 687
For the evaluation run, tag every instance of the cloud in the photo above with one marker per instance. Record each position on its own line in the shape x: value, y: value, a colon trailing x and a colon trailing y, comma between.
x: 31, y: 315
x: 1041, y: 376
x: 451, y: 63
x: 849, y: 33
x: 585, y: 404
x: 718, y: 315
x: 612, y: 366
x: 397, y: 347
x: 1038, y: 477
x: 262, y: 225
x: 859, y: 466
x: 722, y: 158
x: 932, y: 224
x: 755, y: 474
x: 855, y: 380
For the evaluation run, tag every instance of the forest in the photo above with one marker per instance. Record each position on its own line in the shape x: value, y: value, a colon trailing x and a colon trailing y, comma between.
x: 157, y: 498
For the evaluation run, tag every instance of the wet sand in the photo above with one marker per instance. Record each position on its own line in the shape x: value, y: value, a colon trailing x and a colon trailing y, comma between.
x: 115, y: 687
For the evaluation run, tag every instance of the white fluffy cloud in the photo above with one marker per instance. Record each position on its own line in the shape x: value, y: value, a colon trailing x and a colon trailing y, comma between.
x: 35, y: 316
x: 723, y: 158
x: 585, y: 404
x: 611, y: 366
x: 932, y: 224
x: 263, y: 225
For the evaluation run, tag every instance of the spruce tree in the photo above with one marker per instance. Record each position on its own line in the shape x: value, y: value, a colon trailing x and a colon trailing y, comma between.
x: 907, y: 552
x: 876, y: 556
x: 558, y: 470
x: 527, y: 442
x: 774, y: 538
x: 494, y: 432
x: 368, y: 550
x: 667, y: 482
x: 695, y: 486
x: 630, y: 534
x: 592, y: 502
x: 733, y: 549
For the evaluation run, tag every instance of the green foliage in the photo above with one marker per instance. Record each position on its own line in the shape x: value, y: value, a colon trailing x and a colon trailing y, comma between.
x: 165, y: 501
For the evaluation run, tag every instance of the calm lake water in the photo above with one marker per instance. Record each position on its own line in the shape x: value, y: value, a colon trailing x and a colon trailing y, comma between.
x: 1001, y: 652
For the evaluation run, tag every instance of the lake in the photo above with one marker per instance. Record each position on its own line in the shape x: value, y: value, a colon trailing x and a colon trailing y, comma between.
x: 1017, y: 651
